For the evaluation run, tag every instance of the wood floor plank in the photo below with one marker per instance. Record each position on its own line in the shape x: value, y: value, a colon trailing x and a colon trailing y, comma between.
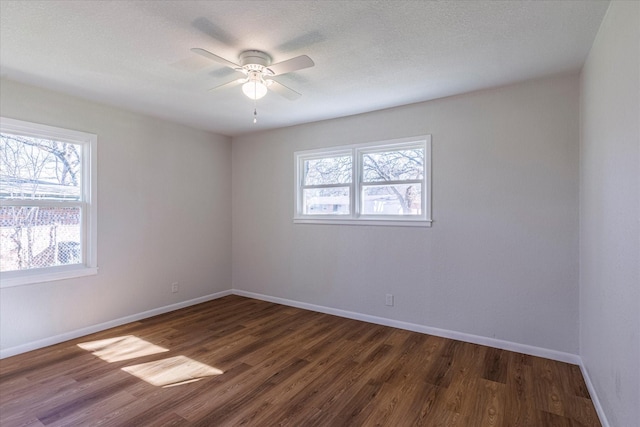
x: 495, y: 365
x: 423, y: 405
x: 521, y: 410
x: 238, y: 361
x: 489, y: 405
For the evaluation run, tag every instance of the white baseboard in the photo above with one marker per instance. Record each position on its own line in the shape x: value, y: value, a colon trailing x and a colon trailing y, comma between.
x: 460, y: 336
x: 34, y: 345
x: 594, y: 395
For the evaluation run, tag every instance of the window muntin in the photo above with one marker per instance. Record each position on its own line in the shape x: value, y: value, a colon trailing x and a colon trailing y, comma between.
x: 47, y: 203
x: 379, y: 183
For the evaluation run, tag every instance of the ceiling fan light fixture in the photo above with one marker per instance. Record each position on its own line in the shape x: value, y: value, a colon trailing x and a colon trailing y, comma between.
x: 257, y: 67
x: 254, y: 89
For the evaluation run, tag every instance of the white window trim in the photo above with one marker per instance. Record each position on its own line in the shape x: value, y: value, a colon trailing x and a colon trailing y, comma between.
x: 356, y: 218
x: 89, y: 144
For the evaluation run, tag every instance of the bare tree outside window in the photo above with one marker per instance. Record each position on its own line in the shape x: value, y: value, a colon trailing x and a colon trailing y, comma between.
x: 330, y: 170
x: 326, y: 182
x: 392, y: 181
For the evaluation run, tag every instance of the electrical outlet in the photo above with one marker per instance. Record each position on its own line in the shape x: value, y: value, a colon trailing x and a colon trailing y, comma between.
x: 389, y: 300
x: 175, y: 287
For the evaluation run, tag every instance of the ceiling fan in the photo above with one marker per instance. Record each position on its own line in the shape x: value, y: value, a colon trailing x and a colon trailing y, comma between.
x: 258, y: 70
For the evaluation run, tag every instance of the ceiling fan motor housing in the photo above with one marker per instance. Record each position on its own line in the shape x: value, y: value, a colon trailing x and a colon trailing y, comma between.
x: 254, y: 60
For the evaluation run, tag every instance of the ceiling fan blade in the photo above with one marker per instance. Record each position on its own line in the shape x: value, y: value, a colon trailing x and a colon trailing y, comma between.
x: 229, y: 84
x: 214, y: 57
x: 282, y: 90
x: 293, y: 64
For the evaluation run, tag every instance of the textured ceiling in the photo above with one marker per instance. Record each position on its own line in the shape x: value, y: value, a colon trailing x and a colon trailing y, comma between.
x: 369, y: 55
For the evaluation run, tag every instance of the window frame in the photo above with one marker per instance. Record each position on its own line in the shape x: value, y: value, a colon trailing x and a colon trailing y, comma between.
x: 357, y: 151
x: 323, y: 155
x: 88, y: 204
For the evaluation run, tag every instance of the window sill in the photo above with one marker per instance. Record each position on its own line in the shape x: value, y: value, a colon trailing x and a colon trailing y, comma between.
x: 20, y: 278
x: 376, y: 222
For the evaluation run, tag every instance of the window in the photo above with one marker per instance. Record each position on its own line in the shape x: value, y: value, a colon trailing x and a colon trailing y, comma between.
x: 48, y: 213
x: 381, y: 183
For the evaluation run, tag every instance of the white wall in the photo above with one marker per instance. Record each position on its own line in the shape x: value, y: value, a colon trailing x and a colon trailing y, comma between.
x: 164, y: 215
x: 501, y: 260
x: 610, y: 214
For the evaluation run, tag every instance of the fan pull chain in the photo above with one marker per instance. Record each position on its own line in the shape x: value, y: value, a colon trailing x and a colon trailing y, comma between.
x: 255, y: 112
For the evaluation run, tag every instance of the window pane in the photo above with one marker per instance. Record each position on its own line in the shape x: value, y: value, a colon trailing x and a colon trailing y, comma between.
x: 34, y: 168
x: 35, y: 237
x: 395, y: 165
x: 326, y: 201
x: 330, y: 170
x: 403, y: 199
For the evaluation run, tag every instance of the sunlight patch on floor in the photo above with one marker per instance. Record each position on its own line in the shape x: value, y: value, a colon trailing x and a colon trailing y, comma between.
x: 121, y: 348
x: 172, y: 371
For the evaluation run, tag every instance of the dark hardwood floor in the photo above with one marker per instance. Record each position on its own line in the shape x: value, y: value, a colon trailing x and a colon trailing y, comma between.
x: 238, y: 361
